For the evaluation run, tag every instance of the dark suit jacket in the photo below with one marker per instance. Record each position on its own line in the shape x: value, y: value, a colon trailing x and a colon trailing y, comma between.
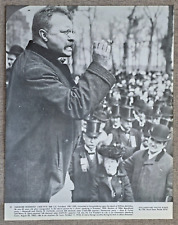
x: 82, y: 179
x: 44, y: 110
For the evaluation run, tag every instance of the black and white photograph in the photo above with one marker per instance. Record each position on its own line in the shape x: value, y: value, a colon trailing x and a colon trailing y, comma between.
x: 89, y: 112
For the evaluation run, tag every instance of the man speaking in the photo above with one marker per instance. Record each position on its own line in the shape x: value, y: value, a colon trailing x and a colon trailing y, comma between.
x: 44, y: 108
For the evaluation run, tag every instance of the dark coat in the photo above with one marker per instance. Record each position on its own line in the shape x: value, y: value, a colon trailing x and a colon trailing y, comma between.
x: 44, y: 110
x: 82, y: 180
x: 151, y: 179
x: 130, y: 146
x: 101, y: 191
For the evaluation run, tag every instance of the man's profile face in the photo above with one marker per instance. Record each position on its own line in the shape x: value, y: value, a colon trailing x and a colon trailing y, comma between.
x: 60, y: 35
x: 11, y: 59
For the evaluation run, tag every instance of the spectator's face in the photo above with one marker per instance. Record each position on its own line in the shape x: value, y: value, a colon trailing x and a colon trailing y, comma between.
x: 145, y: 141
x: 154, y: 145
x: 115, y: 122
x: 126, y: 124
x: 11, y: 59
x: 60, y: 36
x: 91, y: 142
x: 110, y: 166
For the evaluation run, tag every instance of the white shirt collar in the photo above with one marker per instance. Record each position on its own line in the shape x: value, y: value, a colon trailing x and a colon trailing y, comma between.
x: 152, y: 155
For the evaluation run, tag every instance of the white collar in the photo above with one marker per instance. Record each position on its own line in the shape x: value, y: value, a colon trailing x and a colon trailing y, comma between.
x: 152, y: 155
x: 89, y: 150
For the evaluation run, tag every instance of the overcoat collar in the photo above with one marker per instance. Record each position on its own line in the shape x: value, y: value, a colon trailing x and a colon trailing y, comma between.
x: 52, y: 57
x: 46, y: 53
x: 158, y: 157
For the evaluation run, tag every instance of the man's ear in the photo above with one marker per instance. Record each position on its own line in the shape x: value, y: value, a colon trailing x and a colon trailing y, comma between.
x: 43, y: 35
x: 84, y: 136
x: 165, y: 143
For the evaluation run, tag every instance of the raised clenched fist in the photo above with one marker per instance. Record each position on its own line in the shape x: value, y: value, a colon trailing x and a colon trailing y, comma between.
x: 101, y: 53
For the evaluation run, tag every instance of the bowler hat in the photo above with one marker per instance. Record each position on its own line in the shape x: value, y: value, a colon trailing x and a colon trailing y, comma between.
x: 93, y: 128
x: 160, y: 133
x: 148, y: 111
x: 166, y: 122
x: 140, y: 105
x: 15, y: 50
x: 110, y: 151
x: 126, y: 113
x: 166, y: 111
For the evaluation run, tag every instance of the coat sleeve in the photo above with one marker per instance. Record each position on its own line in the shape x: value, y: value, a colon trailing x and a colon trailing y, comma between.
x: 169, y: 187
x: 94, y: 195
x: 129, y: 166
x: 77, y: 102
x: 128, y: 194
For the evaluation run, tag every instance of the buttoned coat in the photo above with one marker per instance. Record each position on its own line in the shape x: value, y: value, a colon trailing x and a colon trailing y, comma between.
x: 82, y: 179
x: 44, y: 110
x: 121, y: 188
x: 151, y: 179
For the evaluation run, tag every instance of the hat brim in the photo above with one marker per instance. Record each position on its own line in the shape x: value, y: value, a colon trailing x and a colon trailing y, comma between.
x: 128, y: 119
x: 92, y: 135
x: 13, y: 53
x: 159, y: 139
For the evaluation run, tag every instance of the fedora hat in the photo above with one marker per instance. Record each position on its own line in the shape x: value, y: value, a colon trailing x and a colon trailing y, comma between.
x: 110, y: 151
x: 126, y: 113
x: 93, y: 128
x: 15, y: 50
x: 160, y: 132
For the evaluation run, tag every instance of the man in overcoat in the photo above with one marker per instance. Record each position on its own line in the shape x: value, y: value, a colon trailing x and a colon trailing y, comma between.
x: 150, y: 170
x: 128, y: 137
x: 44, y: 108
x: 85, y: 161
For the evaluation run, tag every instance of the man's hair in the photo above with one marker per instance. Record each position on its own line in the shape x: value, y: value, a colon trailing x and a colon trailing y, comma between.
x: 42, y: 17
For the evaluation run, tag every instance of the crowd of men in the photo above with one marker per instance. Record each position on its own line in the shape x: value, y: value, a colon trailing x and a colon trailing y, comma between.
x: 123, y: 151
x: 131, y: 128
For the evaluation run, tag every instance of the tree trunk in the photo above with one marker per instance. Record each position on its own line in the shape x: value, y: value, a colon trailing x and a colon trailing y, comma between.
x: 168, y: 52
x: 126, y: 43
x: 150, y: 45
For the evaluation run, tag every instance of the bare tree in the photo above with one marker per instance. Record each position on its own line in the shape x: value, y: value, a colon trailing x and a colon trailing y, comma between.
x: 126, y: 43
x: 167, y: 42
x: 153, y: 23
x: 91, y: 18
